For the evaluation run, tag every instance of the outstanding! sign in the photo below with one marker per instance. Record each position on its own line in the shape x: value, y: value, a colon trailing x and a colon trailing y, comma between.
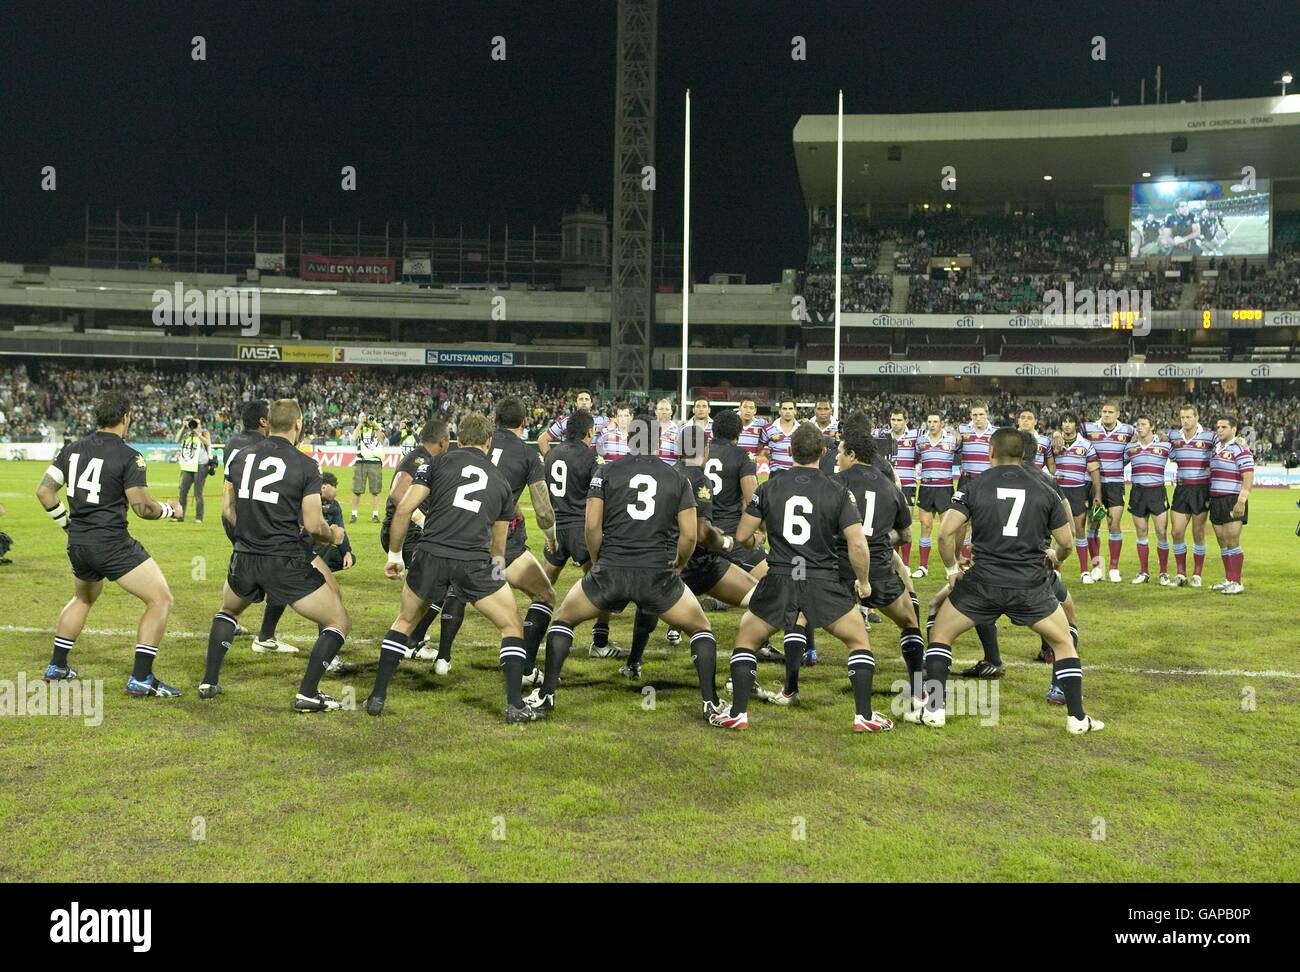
x: 469, y: 359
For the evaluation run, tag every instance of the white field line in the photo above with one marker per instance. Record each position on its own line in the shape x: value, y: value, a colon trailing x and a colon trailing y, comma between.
x: 665, y: 652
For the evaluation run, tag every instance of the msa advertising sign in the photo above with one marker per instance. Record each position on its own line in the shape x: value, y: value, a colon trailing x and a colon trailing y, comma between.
x: 348, y: 269
x: 301, y: 354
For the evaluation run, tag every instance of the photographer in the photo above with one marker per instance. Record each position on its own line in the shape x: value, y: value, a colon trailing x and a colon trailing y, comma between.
x: 195, y: 454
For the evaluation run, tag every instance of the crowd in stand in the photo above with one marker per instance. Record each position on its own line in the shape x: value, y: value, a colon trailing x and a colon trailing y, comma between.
x: 860, y: 293
x: 1016, y: 293
x: 1254, y: 287
x: 1270, y: 425
x: 51, y: 401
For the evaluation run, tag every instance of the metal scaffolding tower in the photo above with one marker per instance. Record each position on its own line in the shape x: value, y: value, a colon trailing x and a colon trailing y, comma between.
x: 632, y: 278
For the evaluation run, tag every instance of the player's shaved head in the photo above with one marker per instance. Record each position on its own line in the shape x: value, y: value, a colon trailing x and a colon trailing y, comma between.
x: 283, y: 414
x: 434, y: 431
x: 255, y: 413
x: 111, y: 408
x: 579, y: 424
x: 474, y: 430
x: 806, y: 445
x: 726, y: 425
x: 1007, y: 445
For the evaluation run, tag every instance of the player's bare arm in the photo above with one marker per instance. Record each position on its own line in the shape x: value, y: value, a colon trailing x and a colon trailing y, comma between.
x: 145, y: 506
x: 412, y: 497
x: 542, y: 509
x: 402, y: 482
x: 1094, y: 472
x: 710, y: 537
x: 228, y: 503
x: 747, y: 486
x: 952, y: 531
x: 1247, y: 481
x: 47, y: 491
x: 544, y: 442
x: 685, y: 536
x: 859, y: 557
x: 593, y: 527
x: 747, y: 530
x: 498, y: 545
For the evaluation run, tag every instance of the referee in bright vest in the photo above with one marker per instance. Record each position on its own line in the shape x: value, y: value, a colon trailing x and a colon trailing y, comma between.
x: 369, y: 470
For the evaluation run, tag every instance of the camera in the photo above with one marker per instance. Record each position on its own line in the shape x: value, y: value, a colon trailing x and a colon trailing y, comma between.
x: 194, y: 423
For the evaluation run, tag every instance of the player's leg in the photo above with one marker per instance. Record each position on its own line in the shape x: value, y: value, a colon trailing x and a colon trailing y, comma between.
x: 411, y: 608
x: 644, y: 623
x: 71, y: 620
x: 358, y: 486
x: 949, y: 624
x: 1161, y: 523
x: 1067, y: 671
x: 575, y: 609
x: 499, y: 608
x: 220, y: 635
x: 1232, y: 557
x: 1178, y: 522
x: 927, y: 527
x: 903, y: 612
x: 1081, y: 545
x: 525, y: 574
x: 750, y: 633
x: 862, y: 667
x: 146, y: 582
x: 1198, y: 546
x: 688, y: 617
x: 1115, y: 538
x: 1140, y: 528
x: 325, y: 607
x: 376, y: 485
x: 735, y: 587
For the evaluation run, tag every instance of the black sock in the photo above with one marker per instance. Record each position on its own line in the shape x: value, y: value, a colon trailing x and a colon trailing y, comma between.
x: 453, y: 616
x: 793, y: 644
x: 938, y: 659
x: 144, y: 655
x: 390, y: 656
x: 600, y: 634
x: 559, y: 641
x: 913, y: 648
x: 536, y: 621
x: 61, y: 648
x: 1068, y: 673
x: 643, y: 625
x: 426, y: 622
x: 704, y: 655
x: 744, y: 671
x: 327, y: 645
x: 219, y: 638
x: 1074, y: 636
x: 988, y: 633
x: 270, y: 620
x: 862, y: 669
x: 512, y: 665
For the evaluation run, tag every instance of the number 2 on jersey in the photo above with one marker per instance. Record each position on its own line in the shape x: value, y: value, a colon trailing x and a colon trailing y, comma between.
x: 478, y: 480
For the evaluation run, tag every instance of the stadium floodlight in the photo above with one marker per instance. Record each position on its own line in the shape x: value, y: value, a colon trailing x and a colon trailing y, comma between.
x: 839, y: 251
x: 1047, y: 178
x: 686, y: 251
x: 1146, y: 175
x: 1287, y: 78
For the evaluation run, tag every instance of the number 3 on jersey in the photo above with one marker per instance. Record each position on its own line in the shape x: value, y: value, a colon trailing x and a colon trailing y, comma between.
x: 645, y: 487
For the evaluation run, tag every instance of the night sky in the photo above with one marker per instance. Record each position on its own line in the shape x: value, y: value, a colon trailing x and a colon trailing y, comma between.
x: 408, y: 94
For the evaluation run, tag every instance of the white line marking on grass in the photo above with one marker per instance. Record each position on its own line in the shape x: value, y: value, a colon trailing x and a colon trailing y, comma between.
x: 131, y: 633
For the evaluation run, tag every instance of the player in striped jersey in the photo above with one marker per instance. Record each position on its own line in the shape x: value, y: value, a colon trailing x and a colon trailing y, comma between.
x: 1147, y: 456
x: 1232, y: 474
x: 581, y: 403
x: 1078, y: 474
x: 1192, y: 448
x: 973, y: 440
x: 701, y: 416
x: 751, y: 428
x: 904, y: 461
x: 1110, y: 437
x: 825, y: 424
x: 612, y: 443
x: 936, y: 449
x: 776, y: 437
x: 668, y: 429
x: 1027, y: 421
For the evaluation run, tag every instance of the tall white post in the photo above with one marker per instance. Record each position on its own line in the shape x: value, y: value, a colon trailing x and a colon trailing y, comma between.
x: 686, y: 255
x: 839, y: 250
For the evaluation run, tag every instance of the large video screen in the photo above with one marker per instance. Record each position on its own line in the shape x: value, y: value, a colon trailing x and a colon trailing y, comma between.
x: 1199, y: 218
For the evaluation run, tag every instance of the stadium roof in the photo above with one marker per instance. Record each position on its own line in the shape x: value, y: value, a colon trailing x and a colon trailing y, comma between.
x: 1003, y: 155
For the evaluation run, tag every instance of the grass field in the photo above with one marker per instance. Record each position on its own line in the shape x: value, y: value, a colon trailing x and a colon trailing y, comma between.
x: 1193, y: 779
